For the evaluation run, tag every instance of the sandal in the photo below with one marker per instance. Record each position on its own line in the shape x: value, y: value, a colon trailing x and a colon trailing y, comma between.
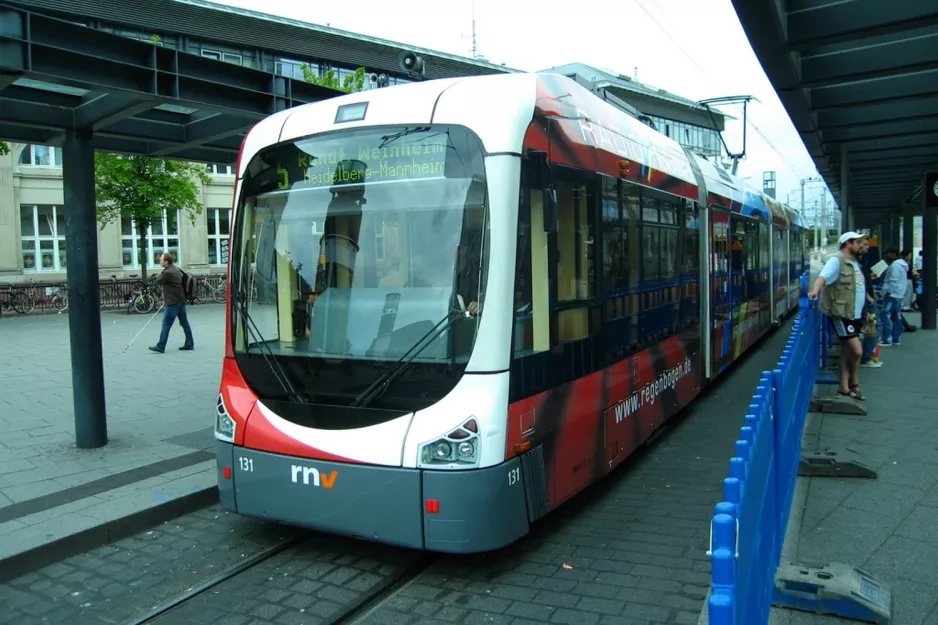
x: 855, y: 388
x: 852, y: 395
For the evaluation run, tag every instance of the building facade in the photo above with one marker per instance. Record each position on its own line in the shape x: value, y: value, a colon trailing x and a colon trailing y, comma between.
x: 32, y: 224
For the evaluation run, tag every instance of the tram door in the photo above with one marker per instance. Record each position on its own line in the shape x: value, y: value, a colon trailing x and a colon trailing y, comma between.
x: 764, y: 265
x: 720, y: 290
x: 744, y: 280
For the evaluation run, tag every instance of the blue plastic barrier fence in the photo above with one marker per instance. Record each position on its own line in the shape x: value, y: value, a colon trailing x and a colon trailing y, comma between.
x: 748, y: 527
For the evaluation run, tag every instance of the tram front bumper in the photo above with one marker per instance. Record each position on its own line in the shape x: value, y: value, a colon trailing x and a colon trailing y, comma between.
x: 446, y: 511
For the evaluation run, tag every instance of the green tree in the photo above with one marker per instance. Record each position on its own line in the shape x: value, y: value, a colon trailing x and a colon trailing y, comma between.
x: 4, y: 148
x: 350, y: 84
x: 141, y: 187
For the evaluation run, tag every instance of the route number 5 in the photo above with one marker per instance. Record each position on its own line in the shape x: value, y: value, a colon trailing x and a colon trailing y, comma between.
x: 514, y: 476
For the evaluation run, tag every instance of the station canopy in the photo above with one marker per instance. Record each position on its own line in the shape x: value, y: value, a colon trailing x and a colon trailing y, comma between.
x: 861, y: 74
x: 136, y: 97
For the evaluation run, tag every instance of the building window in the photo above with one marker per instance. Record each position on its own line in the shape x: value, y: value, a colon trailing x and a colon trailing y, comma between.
x: 220, y: 169
x: 227, y: 57
x: 42, y: 231
x: 290, y: 68
x: 162, y: 236
x: 218, y: 229
x: 41, y: 156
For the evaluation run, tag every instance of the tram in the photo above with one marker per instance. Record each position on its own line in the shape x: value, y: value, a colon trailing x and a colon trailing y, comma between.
x: 475, y: 297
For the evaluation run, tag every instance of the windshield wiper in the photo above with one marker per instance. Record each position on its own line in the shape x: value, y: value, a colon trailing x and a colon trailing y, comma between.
x: 269, y: 357
x: 384, y: 381
x: 397, y: 135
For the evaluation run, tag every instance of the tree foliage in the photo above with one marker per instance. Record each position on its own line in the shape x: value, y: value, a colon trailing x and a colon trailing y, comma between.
x: 350, y: 84
x: 4, y: 148
x: 141, y: 188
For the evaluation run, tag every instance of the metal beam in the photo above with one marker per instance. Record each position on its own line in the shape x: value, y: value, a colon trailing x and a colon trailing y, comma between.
x: 27, y: 134
x: 875, y: 113
x: 865, y: 192
x: 892, y: 89
x: 104, y: 110
x: 134, y: 146
x: 886, y: 176
x: 37, y: 116
x: 886, y: 143
x: 895, y: 154
x: 867, y: 62
x: 208, y: 131
x: 84, y: 318
x: 843, y: 21
x: 119, y: 82
x: 896, y: 164
x: 883, y: 130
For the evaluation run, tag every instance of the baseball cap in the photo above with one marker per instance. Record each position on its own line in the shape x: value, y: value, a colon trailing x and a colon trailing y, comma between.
x: 849, y: 236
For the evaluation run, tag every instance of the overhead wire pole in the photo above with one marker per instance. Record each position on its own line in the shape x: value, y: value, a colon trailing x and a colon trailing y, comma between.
x: 803, y: 182
x: 690, y: 57
x: 823, y: 240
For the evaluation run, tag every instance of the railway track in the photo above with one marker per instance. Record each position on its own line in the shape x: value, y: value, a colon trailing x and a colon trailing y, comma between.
x: 173, y: 610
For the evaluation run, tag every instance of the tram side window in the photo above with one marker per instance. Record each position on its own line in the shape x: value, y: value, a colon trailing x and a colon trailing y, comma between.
x: 651, y: 253
x: 532, y: 284
x: 668, y: 241
x: 691, y: 240
x: 613, y: 276
x: 737, y: 257
x: 631, y: 216
x: 691, y: 262
x: 576, y: 260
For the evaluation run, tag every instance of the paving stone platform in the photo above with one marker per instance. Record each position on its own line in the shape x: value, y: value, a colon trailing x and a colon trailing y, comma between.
x: 160, y: 420
x: 887, y: 526
x: 629, y: 551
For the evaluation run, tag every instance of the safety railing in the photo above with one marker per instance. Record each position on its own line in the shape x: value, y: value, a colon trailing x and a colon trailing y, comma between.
x: 39, y: 297
x: 748, y: 527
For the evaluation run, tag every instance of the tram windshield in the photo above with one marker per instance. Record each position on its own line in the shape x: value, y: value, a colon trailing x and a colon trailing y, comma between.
x: 354, y: 244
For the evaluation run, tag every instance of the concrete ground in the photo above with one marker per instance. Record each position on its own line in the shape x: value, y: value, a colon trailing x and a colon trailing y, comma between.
x: 160, y: 421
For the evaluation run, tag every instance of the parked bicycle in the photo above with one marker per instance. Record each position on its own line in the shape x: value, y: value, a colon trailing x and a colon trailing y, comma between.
x: 58, y: 299
x: 17, y: 300
x: 146, y: 295
x: 221, y: 292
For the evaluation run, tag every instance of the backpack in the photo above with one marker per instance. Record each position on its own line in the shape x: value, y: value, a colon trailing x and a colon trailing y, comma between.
x: 188, y: 286
x: 300, y: 319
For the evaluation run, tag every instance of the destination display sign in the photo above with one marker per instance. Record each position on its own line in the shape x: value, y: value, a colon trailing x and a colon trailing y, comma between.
x: 363, y: 160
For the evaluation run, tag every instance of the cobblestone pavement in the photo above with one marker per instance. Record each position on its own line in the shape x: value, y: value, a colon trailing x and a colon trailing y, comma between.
x: 317, y: 579
x: 151, y: 398
x: 114, y: 583
x: 629, y: 551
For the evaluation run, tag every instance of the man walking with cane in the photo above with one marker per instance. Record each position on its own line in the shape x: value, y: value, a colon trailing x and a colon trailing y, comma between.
x: 174, y: 303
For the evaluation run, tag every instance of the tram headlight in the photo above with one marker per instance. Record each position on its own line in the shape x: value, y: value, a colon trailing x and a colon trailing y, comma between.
x: 457, y: 450
x: 225, y: 426
x: 442, y: 450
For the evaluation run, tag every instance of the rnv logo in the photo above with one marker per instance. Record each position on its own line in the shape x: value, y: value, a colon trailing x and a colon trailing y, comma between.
x: 318, y: 479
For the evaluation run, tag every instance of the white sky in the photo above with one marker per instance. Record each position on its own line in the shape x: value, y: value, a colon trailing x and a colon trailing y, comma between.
x: 693, y: 48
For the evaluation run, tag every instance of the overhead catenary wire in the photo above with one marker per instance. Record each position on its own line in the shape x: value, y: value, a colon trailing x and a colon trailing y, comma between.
x: 709, y: 76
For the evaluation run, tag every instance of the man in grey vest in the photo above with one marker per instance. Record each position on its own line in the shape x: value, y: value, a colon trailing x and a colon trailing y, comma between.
x: 842, y: 300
